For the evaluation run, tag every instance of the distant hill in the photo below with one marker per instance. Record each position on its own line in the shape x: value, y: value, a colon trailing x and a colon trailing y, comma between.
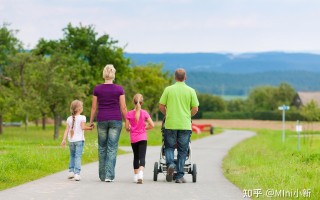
x: 232, y: 63
x: 241, y: 84
x: 236, y: 74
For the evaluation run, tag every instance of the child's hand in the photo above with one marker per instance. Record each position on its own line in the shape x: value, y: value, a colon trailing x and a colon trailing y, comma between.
x: 63, y: 143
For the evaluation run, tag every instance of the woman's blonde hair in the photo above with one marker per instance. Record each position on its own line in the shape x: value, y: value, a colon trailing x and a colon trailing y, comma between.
x: 137, y: 101
x: 109, y: 72
x: 75, y: 107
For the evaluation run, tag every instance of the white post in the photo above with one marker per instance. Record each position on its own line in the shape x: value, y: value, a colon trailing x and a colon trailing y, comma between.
x: 283, y: 108
x: 298, y: 129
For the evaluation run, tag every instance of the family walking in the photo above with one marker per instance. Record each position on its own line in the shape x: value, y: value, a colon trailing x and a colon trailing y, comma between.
x: 178, y: 103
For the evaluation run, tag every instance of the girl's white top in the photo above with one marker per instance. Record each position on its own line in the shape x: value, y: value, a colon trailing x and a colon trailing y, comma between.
x: 78, y: 132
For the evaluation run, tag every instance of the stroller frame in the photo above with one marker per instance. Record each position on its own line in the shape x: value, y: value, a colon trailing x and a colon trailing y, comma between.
x: 161, y: 166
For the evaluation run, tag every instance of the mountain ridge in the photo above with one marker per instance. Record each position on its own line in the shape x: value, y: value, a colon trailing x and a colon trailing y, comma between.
x: 237, y: 74
x: 231, y: 63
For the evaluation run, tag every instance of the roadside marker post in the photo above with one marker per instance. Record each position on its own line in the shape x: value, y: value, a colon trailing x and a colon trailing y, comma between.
x: 283, y: 108
x: 298, y: 129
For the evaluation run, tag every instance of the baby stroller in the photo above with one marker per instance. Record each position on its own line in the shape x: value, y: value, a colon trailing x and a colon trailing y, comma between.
x: 161, y: 167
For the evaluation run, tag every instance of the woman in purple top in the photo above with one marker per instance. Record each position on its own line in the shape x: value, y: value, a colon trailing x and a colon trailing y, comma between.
x: 109, y: 100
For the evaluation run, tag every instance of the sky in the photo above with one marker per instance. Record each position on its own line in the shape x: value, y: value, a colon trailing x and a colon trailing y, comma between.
x: 174, y: 26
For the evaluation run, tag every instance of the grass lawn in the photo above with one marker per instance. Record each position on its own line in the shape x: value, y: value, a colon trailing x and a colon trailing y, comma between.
x: 263, y: 164
x: 29, y: 155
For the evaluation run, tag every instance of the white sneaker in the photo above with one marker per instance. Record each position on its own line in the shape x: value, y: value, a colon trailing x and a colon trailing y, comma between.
x: 77, y: 177
x: 140, y: 177
x: 71, y: 175
x: 135, y: 178
x: 108, y: 180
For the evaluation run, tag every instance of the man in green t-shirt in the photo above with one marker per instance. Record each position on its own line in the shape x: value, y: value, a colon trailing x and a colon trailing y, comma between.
x: 178, y: 103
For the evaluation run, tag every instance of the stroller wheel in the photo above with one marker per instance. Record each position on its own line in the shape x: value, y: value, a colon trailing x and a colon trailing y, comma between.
x: 155, y: 171
x: 194, y: 173
x: 211, y: 130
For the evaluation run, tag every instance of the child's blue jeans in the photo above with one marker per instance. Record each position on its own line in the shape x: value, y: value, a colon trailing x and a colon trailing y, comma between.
x: 76, y: 149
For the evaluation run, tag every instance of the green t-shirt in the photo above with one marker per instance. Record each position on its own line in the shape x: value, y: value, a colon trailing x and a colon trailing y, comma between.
x: 179, y: 99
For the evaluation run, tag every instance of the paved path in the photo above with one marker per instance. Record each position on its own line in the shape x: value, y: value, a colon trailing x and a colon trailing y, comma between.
x: 211, y: 184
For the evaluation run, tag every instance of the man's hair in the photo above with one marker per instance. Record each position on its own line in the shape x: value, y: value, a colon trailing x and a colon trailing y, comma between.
x: 180, y: 74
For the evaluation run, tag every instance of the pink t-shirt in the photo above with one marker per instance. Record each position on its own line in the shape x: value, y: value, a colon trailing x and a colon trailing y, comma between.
x: 137, y: 130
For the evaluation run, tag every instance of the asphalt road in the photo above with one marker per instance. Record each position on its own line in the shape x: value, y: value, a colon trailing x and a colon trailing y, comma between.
x: 207, y: 154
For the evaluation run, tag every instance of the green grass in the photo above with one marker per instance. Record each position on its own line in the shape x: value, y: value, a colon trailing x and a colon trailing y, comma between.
x: 264, y: 162
x: 29, y: 155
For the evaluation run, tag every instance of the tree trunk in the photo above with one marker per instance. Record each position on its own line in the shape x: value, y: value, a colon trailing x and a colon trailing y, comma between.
x: 43, y: 121
x: 26, y: 123
x: 56, y: 126
x: 1, y: 124
x: 36, y: 122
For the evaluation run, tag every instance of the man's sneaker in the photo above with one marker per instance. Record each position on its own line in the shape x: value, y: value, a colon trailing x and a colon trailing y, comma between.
x: 135, y: 178
x: 108, y: 180
x: 170, y: 171
x: 77, y: 177
x: 140, y: 177
x: 181, y: 180
x: 71, y: 175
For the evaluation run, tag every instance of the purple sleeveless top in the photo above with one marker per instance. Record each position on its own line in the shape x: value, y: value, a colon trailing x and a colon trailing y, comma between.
x: 108, y: 97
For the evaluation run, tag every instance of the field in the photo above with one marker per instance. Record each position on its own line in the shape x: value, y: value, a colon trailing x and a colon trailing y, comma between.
x: 264, y: 167
x: 258, y: 124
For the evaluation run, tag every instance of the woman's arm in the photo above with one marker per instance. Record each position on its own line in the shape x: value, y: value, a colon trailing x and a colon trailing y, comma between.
x: 93, y: 109
x: 127, y: 124
x: 123, y: 107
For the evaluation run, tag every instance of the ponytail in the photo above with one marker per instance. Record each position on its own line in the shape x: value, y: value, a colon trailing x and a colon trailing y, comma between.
x: 137, y: 99
x: 75, y: 108
x: 73, y: 120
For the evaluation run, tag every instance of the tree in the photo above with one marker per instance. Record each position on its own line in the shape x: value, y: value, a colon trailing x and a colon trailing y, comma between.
x: 82, y: 55
x: 57, y: 80
x: 150, y: 81
x: 284, y: 94
x: 269, y: 98
x: 19, y: 68
x: 236, y: 105
x: 210, y: 103
x: 84, y: 43
x: 9, y: 45
x: 261, y: 99
x: 311, y: 111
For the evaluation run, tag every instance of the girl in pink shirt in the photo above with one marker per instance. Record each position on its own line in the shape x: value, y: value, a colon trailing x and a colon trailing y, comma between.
x: 136, y: 123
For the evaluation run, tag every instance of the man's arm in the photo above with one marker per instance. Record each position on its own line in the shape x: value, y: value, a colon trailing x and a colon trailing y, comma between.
x: 162, y: 109
x: 194, y: 111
